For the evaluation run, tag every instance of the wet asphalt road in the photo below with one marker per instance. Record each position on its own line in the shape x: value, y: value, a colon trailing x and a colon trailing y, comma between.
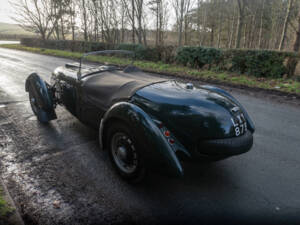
x: 58, y: 175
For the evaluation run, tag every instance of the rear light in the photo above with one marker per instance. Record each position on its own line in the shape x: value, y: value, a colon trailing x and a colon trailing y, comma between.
x: 167, y: 133
x: 171, y: 141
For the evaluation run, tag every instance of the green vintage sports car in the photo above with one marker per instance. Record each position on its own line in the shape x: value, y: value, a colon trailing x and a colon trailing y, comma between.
x: 145, y: 122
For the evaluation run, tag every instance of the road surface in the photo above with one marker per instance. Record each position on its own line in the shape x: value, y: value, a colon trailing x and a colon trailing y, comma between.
x: 58, y: 175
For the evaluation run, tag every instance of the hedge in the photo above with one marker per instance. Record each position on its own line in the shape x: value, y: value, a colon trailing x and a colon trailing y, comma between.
x: 260, y: 63
x: 74, y: 46
x: 198, y: 56
x: 165, y: 53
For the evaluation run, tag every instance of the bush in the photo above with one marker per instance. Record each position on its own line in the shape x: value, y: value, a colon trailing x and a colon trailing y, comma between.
x: 260, y: 63
x: 167, y: 54
x: 74, y: 46
x: 141, y: 52
x: 198, y: 57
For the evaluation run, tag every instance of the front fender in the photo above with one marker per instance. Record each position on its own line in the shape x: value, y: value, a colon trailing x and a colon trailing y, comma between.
x: 156, y: 146
x: 220, y: 91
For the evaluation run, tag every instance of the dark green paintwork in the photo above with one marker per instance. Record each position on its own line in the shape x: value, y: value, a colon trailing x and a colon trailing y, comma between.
x: 191, y: 115
x: 224, y: 93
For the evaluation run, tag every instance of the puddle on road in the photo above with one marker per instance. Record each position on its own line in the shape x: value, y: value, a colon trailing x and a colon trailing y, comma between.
x: 32, y: 118
x: 20, y: 173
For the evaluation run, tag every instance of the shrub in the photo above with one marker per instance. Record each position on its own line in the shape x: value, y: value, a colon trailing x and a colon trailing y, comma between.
x: 74, y: 46
x: 260, y: 63
x: 141, y: 52
x: 198, y: 56
x: 167, y: 54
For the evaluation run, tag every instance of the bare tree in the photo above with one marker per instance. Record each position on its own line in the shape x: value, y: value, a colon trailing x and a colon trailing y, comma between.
x: 230, y: 42
x: 139, y: 15
x: 285, y: 25
x: 261, y: 24
x: 181, y: 8
x: 83, y: 7
x: 158, y: 9
x: 36, y: 16
x: 240, y: 24
x: 72, y: 18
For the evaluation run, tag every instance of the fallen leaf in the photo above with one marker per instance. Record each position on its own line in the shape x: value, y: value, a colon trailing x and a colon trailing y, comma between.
x: 56, y: 204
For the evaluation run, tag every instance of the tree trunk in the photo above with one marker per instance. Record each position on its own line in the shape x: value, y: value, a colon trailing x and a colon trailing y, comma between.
x: 157, y: 24
x: 261, y: 26
x: 285, y: 25
x: 241, y: 6
x: 72, y: 24
x: 133, y: 22
x: 296, y: 46
x: 84, y: 21
x: 232, y: 31
x: 62, y: 28
x: 220, y: 25
x: 212, y: 35
x: 186, y: 41
x: 245, y: 35
x: 199, y: 2
x: 181, y: 22
x: 292, y: 62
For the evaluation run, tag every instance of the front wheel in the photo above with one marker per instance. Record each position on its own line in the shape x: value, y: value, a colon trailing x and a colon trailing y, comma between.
x: 41, y: 114
x: 124, y: 152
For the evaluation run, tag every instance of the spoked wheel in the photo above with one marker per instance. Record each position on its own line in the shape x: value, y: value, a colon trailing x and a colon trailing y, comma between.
x: 37, y: 109
x: 124, y: 153
x: 33, y: 103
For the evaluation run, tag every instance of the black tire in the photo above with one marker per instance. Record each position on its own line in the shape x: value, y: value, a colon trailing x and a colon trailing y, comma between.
x: 37, y: 110
x: 120, y: 137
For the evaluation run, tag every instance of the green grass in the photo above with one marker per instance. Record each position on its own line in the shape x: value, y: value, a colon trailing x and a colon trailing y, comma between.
x: 286, y: 85
x: 4, y: 208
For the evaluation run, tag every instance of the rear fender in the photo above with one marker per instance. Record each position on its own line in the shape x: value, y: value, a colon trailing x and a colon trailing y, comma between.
x: 156, y: 147
x: 43, y: 94
x: 250, y: 124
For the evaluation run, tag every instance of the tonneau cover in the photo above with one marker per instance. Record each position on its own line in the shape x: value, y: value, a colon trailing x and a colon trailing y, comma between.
x: 109, y: 87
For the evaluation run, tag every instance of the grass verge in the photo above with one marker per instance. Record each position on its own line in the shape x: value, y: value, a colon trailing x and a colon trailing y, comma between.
x: 5, y: 209
x: 282, y: 85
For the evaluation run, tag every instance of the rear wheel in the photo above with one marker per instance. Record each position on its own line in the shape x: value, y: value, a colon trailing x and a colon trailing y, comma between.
x: 124, y: 151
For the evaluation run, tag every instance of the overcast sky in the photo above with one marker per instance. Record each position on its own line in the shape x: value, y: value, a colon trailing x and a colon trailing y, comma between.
x: 6, y: 11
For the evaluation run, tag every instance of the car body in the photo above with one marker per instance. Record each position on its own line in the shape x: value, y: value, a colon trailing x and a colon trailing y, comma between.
x: 145, y: 121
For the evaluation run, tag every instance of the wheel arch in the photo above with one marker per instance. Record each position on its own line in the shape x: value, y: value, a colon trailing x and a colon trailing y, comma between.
x: 157, y: 146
